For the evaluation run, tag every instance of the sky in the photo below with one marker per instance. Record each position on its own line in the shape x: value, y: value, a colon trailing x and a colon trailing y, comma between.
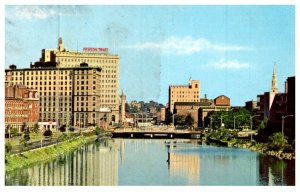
x: 230, y: 49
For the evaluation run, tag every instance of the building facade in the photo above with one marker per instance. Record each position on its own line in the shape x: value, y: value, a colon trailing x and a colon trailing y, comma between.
x: 184, y: 93
x: 21, y: 107
x: 199, y: 110
x: 94, y: 57
x: 67, y: 96
x: 275, y: 106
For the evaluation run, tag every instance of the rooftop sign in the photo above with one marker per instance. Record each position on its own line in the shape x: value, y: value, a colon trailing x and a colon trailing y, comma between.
x: 95, y: 50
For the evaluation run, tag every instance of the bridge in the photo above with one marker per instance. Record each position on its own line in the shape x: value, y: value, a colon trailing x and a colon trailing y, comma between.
x: 155, y: 132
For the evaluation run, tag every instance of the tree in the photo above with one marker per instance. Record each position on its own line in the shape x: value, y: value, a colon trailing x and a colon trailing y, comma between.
x: 127, y: 108
x: 35, y: 128
x: 189, y: 120
x: 14, y: 132
x: 8, y: 148
x: 26, y: 135
x: 24, y: 144
x: 48, y: 133
x: 278, y: 142
x: 179, y: 119
x: 24, y: 126
x: 168, y: 118
x: 62, y: 128
x: 98, y: 131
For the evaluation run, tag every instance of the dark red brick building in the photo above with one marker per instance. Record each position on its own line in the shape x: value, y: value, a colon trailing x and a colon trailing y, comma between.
x: 21, y: 107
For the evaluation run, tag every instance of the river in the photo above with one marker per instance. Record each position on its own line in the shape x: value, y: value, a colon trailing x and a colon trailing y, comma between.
x: 156, y: 162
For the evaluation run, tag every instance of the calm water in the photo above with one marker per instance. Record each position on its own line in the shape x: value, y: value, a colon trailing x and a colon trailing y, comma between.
x: 156, y: 162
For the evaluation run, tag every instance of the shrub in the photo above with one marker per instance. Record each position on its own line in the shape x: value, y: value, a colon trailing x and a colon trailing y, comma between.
x: 98, y: 131
x: 24, y: 144
x: 26, y: 134
x: 62, y: 128
x: 47, y: 133
x: 14, y: 132
x: 63, y: 137
x: 34, y: 128
x: 278, y: 142
x: 8, y: 148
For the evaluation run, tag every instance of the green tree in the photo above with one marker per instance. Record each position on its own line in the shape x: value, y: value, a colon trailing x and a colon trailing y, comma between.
x: 98, y: 131
x: 168, y: 118
x: 8, y: 148
x: 35, y: 128
x: 24, y: 127
x: 278, y: 142
x: 26, y: 135
x: 179, y: 119
x: 14, y: 132
x: 24, y: 144
x: 189, y: 120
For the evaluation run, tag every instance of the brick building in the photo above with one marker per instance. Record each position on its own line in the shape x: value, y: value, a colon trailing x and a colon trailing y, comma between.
x: 200, y: 110
x: 184, y: 93
x: 21, y: 107
x: 275, y: 106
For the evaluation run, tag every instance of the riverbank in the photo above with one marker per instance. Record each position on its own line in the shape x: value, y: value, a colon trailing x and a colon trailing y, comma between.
x: 261, y: 148
x: 27, y: 158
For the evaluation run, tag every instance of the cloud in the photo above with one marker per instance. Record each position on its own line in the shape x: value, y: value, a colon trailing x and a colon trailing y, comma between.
x: 185, y: 46
x: 43, y: 12
x: 234, y: 64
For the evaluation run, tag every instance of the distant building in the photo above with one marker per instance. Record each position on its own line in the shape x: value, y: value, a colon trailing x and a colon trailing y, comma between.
x: 200, y: 110
x: 135, y: 104
x: 152, y: 110
x: 21, y: 107
x: 163, y: 114
x: 251, y: 105
x: 184, y: 93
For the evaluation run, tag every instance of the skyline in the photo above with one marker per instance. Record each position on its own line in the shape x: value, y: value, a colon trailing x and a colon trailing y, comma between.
x: 157, y: 42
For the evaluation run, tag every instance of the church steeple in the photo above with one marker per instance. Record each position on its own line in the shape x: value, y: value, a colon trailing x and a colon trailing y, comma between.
x: 274, y: 80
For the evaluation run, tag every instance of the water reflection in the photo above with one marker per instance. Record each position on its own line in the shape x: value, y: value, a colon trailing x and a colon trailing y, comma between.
x: 186, y: 166
x: 276, y: 172
x: 89, y: 165
x: 130, y: 162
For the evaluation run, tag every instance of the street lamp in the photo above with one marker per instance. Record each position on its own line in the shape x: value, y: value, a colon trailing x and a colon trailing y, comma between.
x: 234, y: 120
x: 282, y: 127
x: 222, y: 119
x: 251, y: 117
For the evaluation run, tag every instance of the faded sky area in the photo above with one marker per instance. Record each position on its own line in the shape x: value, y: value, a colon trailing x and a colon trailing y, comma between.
x: 230, y: 49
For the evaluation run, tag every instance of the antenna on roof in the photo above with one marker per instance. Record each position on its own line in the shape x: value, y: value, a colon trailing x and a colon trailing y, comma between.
x: 58, y: 22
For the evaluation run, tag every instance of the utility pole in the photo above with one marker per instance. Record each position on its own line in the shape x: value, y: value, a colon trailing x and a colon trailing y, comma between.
x: 234, y: 120
x: 221, y: 119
